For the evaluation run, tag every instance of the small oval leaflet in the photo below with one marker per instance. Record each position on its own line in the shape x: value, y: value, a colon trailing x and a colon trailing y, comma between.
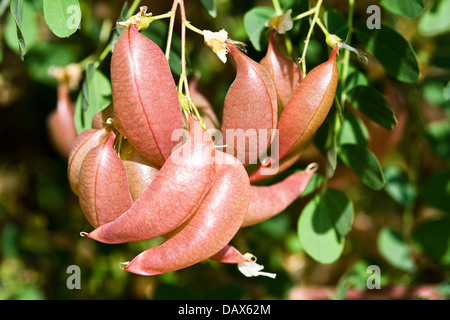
x: 62, y: 16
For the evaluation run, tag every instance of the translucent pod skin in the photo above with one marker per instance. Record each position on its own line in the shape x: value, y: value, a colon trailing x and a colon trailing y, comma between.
x: 304, y: 114
x: 140, y: 171
x: 229, y: 254
x: 104, y: 192
x: 285, y: 73
x: 144, y: 96
x: 60, y: 123
x: 173, y: 196
x: 250, y: 107
x: 84, y: 142
x: 268, y: 201
x: 209, y: 230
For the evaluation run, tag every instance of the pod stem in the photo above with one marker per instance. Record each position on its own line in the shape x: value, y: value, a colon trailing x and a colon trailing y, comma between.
x: 183, y: 85
x: 134, y: 7
x: 346, y: 59
x: 308, y: 37
x: 277, y: 7
x: 171, y: 25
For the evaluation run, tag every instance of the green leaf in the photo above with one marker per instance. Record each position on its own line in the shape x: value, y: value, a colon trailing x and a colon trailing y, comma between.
x: 340, y: 209
x: 62, y: 16
x: 354, y: 77
x: 211, y: 6
x: 16, y: 8
x: 352, y: 131
x: 409, y: 9
x: 314, y: 183
x: 29, y: 29
x: 323, y: 223
x: 336, y: 24
x: 370, y: 102
x: 399, y: 187
x: 438, y: 136
x: 433, y: 239
x: 391, y: 50
x: 435, y: 191
x: 94, y: 97
x: 364, y: 163
x: 393, y: 248
x: 435, y: 21
x: 255, y: 24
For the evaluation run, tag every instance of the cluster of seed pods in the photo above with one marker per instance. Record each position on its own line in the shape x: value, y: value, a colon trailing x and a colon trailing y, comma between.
x: 136, y: 182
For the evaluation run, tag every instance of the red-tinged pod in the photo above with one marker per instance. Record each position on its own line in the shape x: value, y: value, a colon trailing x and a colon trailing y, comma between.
x: 145, y: 97
x: 250, y: 110
x: 104, y: 193
x: 203, y: 106
x: 229, y: 254
x: 268, y: 201
x: 308, y: 107
x: 60, y: 123
x: 173, y: 196
x: 208, y: 231
x: 285, y: 73
x: 84, y: 142
x: 140, y: 171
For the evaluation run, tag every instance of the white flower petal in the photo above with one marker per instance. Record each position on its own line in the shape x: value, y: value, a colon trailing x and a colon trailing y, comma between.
x: 222, y: 54
x: 252, y: 269
x: 217, y: 42
x: 222, y: 35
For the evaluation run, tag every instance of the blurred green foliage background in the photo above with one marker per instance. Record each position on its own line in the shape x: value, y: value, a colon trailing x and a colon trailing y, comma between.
x: 40, y: 218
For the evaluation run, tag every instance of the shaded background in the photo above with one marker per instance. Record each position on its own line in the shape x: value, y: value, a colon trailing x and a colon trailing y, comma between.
x: 40, y: 218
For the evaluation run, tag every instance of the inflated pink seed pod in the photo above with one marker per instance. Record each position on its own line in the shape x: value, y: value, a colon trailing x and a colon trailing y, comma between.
x: 144, y: 95
x: 250, y: 110
x: 304, y: 114
x: 229, y: 254
x: 60, y: 122
x: 140, y: 171
x: 104, y: 193
x: 309, y: 106
x: 84, y: 142
x: 209, y: 230
x: 173, y: 196
x: 285, y: 73
x: 268, y: 201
